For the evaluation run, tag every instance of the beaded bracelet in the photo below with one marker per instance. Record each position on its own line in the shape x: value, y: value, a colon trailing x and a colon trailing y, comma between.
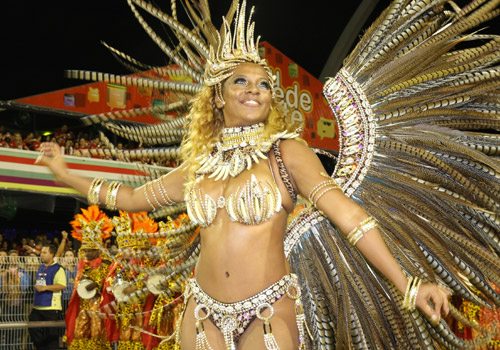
x: 145, y: 191
x: 364, y: 226
x: 150, y: 184
x: 94, y: 190
x: 163, y: 192
x: 410, y: 298
x: 111, y: 195
x: 324, y: 187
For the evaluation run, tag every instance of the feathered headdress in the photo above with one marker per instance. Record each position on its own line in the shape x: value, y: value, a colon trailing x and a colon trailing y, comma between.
x: 91, y: 227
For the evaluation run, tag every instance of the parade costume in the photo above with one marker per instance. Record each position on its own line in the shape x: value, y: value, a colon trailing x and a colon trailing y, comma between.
x: 128, y: 314
x: 415, y: 111
x: 162, y: 310
x: 84, y: 325
x: 232, y: 319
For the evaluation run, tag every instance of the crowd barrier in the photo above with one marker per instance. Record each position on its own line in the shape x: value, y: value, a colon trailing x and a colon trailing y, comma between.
x: 17, y: 288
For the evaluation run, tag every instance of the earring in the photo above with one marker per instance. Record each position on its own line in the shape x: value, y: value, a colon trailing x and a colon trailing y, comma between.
x: 218, y: 94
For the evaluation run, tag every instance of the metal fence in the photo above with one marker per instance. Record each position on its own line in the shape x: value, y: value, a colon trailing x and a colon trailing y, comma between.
x: 17, y: 281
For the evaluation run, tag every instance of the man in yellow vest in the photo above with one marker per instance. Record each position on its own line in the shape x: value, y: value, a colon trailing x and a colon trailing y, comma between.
x: 50, y: 281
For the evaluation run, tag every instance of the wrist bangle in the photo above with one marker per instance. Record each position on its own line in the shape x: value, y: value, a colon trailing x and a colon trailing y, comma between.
x: 410, y: 298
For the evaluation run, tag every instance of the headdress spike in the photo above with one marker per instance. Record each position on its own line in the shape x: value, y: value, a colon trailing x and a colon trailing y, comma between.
x: 234, y: 48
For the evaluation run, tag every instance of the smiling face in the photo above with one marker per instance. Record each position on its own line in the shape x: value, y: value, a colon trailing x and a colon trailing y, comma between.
x: 247, y: 94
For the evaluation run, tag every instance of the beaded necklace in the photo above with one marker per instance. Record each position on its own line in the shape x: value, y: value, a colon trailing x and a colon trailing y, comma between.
x: 237, y: 150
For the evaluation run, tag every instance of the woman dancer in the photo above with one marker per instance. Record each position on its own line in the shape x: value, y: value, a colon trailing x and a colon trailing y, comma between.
x: 243, y: 216
x: 243, y: 166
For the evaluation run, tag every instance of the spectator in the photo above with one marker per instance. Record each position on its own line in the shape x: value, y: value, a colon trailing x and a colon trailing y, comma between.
x: 69, y: 261
x: 3, y: 283
x: 7, y: 140
x: 83, y: 148
x: 5, y: 246
x: 50, y: 281
x: 3, y: 260
x: 17, y: 142
x: 62, y: 132
x: 68, y: 148
x: 31, y: 242
x: 36, y: 249
x: 15, y: 282
x: 35, y: 145
x: 20, y: 247
x: 28, y: 141
x: 61, y: 141
x: 13, y: 252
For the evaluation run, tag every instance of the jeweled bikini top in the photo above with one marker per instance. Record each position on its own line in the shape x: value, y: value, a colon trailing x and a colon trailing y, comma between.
x: 253, y: 203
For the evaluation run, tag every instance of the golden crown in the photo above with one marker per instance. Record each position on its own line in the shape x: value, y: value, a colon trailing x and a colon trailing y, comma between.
x: 131, y: 229
x: 234, y: 49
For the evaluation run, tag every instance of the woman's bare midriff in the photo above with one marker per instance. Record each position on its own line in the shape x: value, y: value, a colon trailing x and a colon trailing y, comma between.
x: 238, y: 260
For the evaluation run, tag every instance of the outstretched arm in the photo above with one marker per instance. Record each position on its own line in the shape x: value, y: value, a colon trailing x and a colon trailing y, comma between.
x: 305, y: 170
x: 161, y: 192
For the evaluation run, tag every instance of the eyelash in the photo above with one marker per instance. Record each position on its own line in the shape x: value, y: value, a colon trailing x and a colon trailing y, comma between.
x: 264, y: 84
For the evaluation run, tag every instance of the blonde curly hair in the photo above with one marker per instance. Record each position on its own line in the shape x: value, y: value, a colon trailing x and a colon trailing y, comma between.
x: 205, y: 122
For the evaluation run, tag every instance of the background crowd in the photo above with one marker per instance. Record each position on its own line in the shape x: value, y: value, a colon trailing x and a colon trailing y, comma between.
x: 19, y: 262
x: 81, y: 142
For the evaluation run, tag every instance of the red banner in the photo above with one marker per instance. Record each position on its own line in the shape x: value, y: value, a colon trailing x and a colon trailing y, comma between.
x: 301, y: 92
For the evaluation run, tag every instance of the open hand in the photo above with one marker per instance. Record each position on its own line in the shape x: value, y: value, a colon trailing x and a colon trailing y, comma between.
x: 52, y: 157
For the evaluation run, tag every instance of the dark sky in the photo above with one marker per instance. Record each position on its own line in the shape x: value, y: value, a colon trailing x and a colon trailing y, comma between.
x: 40, y: 39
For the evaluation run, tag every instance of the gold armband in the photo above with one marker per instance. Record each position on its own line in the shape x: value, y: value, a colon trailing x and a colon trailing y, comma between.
x: 111, y: 195
x: 94, y: 190
x: 410, y: 299
x: 323, y: 187
x: 364, y: 226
